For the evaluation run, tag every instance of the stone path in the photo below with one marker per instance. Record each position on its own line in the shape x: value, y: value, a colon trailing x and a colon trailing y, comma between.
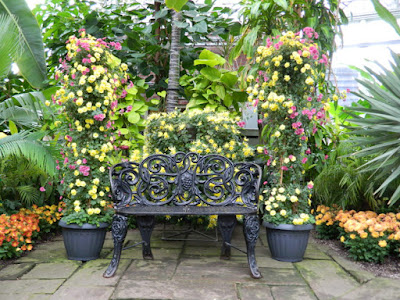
x: 189, y: 270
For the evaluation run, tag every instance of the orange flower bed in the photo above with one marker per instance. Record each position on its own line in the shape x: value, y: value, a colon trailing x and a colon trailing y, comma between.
x: 18, y: 231
x: 48, y: 215
x: 368, y: 235
x: 15, y: 234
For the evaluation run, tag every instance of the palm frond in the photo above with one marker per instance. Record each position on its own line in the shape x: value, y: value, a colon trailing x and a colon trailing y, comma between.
x: 378, y: 130
x: 29, y: 145
x: 24, y: 109
x: 10, y: 43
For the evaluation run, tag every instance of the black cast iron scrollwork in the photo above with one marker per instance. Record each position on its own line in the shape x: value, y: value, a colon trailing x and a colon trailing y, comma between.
x: 118, y: 228
x: 226, y: 225
x: 185, y: 179
x: 250, y: 229
x: 146, y: 225
x: 188, y: 180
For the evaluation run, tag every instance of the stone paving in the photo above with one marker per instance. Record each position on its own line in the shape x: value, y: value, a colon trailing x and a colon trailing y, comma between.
x: 189, y: 270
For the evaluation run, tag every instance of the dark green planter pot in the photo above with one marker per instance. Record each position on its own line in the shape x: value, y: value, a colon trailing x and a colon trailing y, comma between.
x: 83, y: 242
x: 287, y: 242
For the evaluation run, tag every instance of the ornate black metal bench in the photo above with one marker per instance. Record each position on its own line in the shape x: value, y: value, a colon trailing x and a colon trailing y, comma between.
x: 185, y: 184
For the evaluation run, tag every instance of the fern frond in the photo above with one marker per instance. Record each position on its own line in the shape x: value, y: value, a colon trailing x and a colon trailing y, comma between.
x: 28, y: 194
x: 29, y: 145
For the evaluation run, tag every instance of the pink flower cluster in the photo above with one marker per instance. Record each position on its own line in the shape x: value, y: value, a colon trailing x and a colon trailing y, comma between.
x: 309, y: 113
x: 99, y: 117
x: 278, y: 45
x: 310, y: 33
x: 124, y: 93
x: 295, y: 113
x: 84, y: 170
x: 241, y: 123
x: 314, y: 52
x: 114, y: 104
x: 324, y: 60
x: 116, y: 45
x: 296, y: 125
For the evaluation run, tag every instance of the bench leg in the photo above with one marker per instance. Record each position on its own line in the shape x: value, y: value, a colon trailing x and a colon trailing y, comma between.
x: 146, y: 225
x: 118, y: 228
x: 250, y: 229
x: 226, y: 225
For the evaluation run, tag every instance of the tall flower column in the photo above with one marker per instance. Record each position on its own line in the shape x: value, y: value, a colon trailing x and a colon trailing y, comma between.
x: 284, y: 89
x: 92, y: 81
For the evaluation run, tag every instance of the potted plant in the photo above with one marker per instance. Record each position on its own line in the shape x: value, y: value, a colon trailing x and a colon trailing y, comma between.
x: 291, y: 108
x: 92, y: 81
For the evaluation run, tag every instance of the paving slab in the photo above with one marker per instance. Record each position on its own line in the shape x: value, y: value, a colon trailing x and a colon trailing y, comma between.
x: 313, y: 252
x: 212, y: 262
x: 190, y: 270
x: 350, y: 266
x: 233, y: 271
x: 195, y: 235
x: 326, y: 278
x: 250, y: 291
x: 167, y: 244
x: 91, y: 274
x: 205, y: 290
x: 31, y: 286
x: 54, y: 255
x: 292, y: 293
x: 150, y: 269
x: 58, y: 237
x: 53, y: 245
x: 177, y: 290
x: 281, y: 276
x: 83, y: 293
x: 18, y: 296
x: 202, y: 251
x: 158, y: 253
x: 44, y: 255
x: 218, y: 270
x: 106, y: 253
x: 108, y: 243
x: 144, y: 289
x: 376, y: 289
x: 15, y: 271
x: 52, y: 270
x: 266, y: 261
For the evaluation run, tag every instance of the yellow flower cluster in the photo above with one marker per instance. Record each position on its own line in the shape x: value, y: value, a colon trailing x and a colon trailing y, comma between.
x: 283, y: 62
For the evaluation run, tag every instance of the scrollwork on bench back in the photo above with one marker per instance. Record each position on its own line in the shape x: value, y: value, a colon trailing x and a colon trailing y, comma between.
x: 185, y: 179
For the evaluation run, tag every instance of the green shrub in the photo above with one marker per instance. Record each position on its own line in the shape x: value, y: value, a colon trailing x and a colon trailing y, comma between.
x: 200, y: 131
x: 367, y: 249
x: 23, y: 184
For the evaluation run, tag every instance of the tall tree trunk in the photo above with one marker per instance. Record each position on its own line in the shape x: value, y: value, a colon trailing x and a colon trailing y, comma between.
x: 174, y: 64
x: 157, y: 55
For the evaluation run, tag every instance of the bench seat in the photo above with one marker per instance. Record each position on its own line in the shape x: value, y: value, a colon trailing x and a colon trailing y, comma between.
x: 185, y: 210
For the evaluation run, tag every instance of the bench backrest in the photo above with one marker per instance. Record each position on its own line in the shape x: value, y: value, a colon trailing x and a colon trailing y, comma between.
x: 185, y: 179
